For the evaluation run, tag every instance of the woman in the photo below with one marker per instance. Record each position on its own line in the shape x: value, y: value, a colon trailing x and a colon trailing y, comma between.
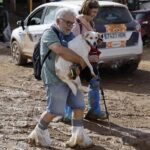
x: 85, y: 23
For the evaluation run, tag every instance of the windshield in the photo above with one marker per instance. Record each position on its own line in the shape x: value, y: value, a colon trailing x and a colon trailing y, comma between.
x: 115, y: 15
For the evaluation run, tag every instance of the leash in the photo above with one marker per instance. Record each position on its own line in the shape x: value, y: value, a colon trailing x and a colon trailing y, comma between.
x: 103, y: 96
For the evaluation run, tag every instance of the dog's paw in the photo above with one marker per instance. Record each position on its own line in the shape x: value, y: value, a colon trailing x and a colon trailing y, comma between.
x: 83, y: 89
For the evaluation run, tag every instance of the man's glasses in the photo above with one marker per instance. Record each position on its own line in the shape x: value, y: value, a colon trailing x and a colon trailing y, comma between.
x: 68, y: 23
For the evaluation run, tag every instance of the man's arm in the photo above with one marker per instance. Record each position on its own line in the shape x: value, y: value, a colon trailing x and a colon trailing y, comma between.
x: 67, y: 54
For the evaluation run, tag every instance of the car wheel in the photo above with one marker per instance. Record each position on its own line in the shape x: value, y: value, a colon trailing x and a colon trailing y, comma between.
x: 17, y: 56
x: 129, y: 67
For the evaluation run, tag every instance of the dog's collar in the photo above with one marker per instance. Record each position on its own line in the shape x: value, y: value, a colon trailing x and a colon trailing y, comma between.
x: 88, y: 43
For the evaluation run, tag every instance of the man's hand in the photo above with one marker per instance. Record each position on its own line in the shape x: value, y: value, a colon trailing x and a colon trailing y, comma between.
x: 75, y: 70
x: 82, y: 63
x: 67, y: 54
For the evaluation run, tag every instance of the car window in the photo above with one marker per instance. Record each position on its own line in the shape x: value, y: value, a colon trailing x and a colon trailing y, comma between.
x: 50, y: 14
x: 36, y: 18
x: 109, y: 15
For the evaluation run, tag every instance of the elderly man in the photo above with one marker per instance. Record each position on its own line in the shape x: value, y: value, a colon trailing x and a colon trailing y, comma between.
x: 58, y: 94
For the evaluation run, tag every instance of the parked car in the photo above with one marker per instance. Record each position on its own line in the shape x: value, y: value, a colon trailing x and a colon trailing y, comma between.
x: 122, y: 44
x: 5, y: 30
x: 143, y: 17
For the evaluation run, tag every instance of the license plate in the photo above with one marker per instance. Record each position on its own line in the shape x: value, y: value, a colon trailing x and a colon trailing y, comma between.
x: 118, y: 35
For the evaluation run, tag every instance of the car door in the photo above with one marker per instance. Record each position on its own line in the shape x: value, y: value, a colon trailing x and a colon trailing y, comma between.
x: 33, y: 30
x: 36, y: 25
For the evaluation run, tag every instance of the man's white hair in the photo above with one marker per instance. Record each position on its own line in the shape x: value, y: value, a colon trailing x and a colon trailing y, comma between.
x: 62, y: 12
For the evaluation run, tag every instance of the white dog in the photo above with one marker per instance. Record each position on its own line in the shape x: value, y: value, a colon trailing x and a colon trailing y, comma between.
x: 81, y: 44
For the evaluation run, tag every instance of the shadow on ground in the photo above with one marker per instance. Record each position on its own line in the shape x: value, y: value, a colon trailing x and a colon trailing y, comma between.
x: 127, y: 82
x: 136, y: 138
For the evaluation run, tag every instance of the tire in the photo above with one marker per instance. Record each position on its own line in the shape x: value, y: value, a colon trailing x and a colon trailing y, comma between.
x: 17, y: 56
x: 128, y: 67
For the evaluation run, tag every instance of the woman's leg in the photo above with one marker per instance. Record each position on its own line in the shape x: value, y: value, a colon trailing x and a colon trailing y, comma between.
x: 94, y: 98
x: 94, y: 101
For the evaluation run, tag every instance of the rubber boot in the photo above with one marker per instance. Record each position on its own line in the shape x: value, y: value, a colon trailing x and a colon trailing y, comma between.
x: 94, y: 109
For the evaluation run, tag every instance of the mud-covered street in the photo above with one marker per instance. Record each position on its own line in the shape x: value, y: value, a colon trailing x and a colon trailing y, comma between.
x: 22, y: 100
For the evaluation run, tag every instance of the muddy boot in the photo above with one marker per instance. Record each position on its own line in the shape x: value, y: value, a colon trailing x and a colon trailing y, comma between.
x: 94, y: 109
x: 94, y: 116
x: 79, y: 138
x: 39, y: 137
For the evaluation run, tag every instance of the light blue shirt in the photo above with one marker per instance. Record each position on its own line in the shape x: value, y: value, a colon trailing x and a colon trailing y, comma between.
x: 48, y: 74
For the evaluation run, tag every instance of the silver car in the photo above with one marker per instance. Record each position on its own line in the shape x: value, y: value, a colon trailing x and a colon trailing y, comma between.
x: 122, y: 45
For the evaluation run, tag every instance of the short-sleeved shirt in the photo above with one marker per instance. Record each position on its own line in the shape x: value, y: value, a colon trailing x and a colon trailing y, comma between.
x: 49, y: 37
x: 48, y: 74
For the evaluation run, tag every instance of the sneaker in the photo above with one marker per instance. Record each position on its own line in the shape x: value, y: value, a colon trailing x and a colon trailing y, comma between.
x: 93, y: 116
x: 39, y: 137
x: 79, y: 138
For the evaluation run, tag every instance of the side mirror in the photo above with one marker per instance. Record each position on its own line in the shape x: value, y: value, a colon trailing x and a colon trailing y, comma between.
x: 35, y: 21
x: 21, y: 23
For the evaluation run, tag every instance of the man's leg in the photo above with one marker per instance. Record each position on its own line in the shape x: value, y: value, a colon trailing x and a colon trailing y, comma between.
x: 79, y: 137
x: 40, y: 135
x: 55, y: 106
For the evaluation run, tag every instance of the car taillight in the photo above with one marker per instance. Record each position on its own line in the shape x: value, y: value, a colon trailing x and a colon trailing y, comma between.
x: 138, y: 28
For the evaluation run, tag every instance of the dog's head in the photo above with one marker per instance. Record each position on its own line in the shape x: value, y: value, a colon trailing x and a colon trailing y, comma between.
x: 94, y: 39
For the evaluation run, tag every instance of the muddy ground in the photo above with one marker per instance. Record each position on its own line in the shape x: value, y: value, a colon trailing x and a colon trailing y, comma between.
x: 127, y: 96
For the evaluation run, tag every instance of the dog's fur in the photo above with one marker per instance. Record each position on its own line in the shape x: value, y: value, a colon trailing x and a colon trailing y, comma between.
x: 81, y: 44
